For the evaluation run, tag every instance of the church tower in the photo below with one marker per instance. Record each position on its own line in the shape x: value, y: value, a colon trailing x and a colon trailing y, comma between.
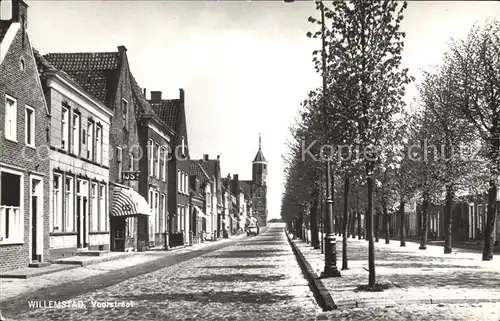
x: 259, y: 186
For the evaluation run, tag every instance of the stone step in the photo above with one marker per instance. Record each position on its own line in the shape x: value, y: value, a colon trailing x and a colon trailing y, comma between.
x: 38, y: 264
x: 92, y: 253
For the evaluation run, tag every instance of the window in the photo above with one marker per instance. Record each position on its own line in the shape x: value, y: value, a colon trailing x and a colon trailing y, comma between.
x: 157, y: 161
x: 183, y: 147
x: 69, y: 208
x: 163, y: 209
x: 30, y: 126
x: 119, y: 161
x: 131, y: 162
x: 130, y: 229
x: 10, y: 118
x: 65, y: 128
x: 151, y: 200
x: 164, y: 165
x: 179, y: 180
x: 102, y: 208
x: 11, y: 208
x: 76, y: 134
x: 157, y: 212
x: 98, y: 143
x: 94, y: 209
x: 125, y: 113
x: 57, y: 204
x: 150, y: 155
x: 90, y: 140
x: 186, y: 183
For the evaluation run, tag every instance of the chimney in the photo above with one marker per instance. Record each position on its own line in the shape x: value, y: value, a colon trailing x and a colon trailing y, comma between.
x: 181, y: 95
x: 122, y: 49
x: 20, y: 13
x: 156, y: 96
x: 144, y: 92
x: 218, y: 157
x: 205, y: 157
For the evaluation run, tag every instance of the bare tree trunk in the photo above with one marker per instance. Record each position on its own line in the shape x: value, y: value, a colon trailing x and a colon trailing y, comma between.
x: 402, y: 230
x: 377, y: 224
x: 490, y: 221
x: 359, y: 224
x: 425, y: 220
x: 369, y: 226
x: 386, y: 223
x: 353, y: 224
x: 448, y: 208
x: 314, y: 219
x: 298, y: 228
x: 345, y: 218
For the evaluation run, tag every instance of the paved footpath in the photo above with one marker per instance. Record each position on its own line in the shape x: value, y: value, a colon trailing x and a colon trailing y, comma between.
x: 427, y: 284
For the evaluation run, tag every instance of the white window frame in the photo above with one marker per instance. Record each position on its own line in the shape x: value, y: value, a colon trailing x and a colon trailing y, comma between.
x: 57, y: 203
x: 183, y: 147
x: 131, y: 162
x: 125, y: 112
x: 31, y: 136
x: 157, y: 161
x: 150, y: 155
x: 119, y: 161
x: 65, y: 113
x: 69, y: 207
x: 163, y: 209
x: 103, y: 226
x: 98, y: 137
x: 164, y: 161
x: 90, y: 140
x: 179, y: 179
x: 157, y: 212
x: 94, y: 207
x: 75, y: 133
x: 16, y: 235
x: 10, y: 119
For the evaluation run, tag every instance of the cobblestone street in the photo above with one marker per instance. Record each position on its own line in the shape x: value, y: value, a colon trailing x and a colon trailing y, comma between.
x: 254, y: 278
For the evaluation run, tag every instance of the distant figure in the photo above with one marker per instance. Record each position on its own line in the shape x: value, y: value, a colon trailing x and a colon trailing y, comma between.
x: 258, y: 228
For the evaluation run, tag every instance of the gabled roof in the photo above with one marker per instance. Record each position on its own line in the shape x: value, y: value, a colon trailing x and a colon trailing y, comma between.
x: 247, y: 188
x: 196, y: 170
x: 210, y: 166
x: 93, y: 71
x: 4, y: 27
x: 168, y: 111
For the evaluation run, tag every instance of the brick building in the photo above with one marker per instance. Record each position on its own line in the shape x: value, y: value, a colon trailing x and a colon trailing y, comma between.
x: 156, y: 137
x: 24, y: 163
x: 201, y: 191
x: 172, y: 112
x: 107, y: 76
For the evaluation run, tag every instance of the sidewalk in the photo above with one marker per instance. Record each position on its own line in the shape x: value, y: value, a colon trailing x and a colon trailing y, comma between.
x: 11, y: 288
x: 417, y: 276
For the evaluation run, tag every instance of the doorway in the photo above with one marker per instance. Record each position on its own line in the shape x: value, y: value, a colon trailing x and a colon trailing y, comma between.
x: 36, y: 207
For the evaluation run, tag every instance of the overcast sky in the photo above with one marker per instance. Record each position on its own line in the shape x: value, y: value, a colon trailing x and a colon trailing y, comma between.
x: 245, y: 66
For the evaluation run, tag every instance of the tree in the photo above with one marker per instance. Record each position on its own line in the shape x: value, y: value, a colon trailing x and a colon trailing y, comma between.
x: 475, y: 63
x: 366, y: 38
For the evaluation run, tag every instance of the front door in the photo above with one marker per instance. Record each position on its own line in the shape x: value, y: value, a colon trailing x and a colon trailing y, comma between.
x: 84, y: 213
x: 34, y: 213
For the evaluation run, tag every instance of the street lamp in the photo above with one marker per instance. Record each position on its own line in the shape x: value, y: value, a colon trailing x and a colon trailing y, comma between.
x: 330, y: 249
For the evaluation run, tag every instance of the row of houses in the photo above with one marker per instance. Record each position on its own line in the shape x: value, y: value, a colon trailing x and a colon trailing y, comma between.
x: 88, y: 162
x: 468, y: 220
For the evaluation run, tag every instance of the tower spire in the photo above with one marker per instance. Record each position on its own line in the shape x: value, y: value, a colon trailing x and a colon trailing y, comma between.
x: 260, y: 140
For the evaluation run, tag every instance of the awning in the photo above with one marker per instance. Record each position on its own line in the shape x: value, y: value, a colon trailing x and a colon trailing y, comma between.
x: 199, y: 212
x: 127, y: 202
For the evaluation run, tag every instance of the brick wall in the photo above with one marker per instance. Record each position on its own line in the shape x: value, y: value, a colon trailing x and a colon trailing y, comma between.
x: 24, y: 86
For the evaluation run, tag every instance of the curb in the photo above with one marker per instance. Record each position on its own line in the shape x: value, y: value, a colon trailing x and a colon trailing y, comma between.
x: 323, y: 297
